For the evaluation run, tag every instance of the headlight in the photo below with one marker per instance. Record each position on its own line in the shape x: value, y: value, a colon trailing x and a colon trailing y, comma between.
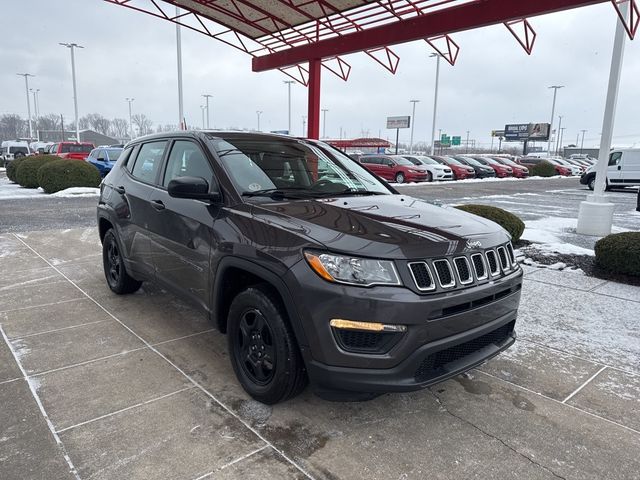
x: 414, y: 171
x: 353, y: 270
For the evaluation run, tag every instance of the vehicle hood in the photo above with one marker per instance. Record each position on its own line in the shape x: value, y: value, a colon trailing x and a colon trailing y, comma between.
x: 384, y: 226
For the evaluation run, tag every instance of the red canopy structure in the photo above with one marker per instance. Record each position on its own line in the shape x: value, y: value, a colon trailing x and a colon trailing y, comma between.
x: 298, y: 37
x: 359, y: 143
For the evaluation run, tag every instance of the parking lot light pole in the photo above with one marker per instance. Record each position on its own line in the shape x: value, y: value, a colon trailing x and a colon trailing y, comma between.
x: 289, y: 82
x: 181, y: 123
x: 553, y: 111
x: 26, y: 85
x: 258, y: 113
x: 582, y: 141
x: 467, y: 141
x: 207, y: 97
x: 130, y: 101
x: 595, y: 216
x: 562, y: 137
x: 435, y: 102
x: 558, y: 134
x: 324, y: 122
x: 72, y: 47
x: 413, y: 123
x: 202, y: 109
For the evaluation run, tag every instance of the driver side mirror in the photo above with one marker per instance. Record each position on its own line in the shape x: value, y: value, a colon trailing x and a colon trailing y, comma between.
x: 192, y: 187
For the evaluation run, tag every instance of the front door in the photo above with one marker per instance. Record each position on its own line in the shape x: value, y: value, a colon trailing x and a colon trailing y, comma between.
x: 614, y: 170
x: 181, y: 230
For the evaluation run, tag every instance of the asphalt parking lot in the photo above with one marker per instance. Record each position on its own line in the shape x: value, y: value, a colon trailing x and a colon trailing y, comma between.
x: 96, y: 386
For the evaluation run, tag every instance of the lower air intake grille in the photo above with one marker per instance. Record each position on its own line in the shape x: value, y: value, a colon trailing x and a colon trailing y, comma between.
x: 366, y: 342
x: 434, y: 365
x: 422, y: 276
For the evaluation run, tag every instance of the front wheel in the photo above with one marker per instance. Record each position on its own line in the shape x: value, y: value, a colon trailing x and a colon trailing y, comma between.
x: 399, y: 177
x: 263, y: 350
x: 429, y: 177
x: 115, y: 272
x: 592, y: 183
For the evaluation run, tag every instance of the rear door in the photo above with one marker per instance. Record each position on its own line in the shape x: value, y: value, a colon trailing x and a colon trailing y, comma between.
x: 631, y: 167
x: 181, y: 229
x: 135, y: 186
x: 614, y: 169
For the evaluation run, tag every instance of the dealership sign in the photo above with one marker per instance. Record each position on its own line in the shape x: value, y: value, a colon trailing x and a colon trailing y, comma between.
x: 398, y: 122
x: 526, y: 131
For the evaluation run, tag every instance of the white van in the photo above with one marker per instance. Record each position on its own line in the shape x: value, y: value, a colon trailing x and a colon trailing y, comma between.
x: 623, y: 169
x: 11, y: 149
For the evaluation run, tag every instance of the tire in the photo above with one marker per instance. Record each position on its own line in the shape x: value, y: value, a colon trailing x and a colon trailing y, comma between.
x: 429, y: 177
x: 399, y: 177
x: 118, y: 279
x: 263, y: 350
x: 592, y: 183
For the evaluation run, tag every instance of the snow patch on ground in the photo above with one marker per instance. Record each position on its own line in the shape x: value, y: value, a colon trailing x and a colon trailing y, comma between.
x: 77, y: 192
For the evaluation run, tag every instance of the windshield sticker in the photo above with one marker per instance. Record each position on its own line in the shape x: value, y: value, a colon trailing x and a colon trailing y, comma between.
x: 254, y: 187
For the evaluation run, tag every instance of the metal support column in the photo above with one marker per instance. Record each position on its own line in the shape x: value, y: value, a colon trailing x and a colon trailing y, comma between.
x: 313, y: 110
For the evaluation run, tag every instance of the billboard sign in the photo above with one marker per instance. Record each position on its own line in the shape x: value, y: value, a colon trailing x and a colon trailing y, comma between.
x: 497, y: 133
x: 398, y: 122
x: 526, y: 131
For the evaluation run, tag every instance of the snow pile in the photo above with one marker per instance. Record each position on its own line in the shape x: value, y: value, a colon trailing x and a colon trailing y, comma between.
x: 77, y: 192
x: 546, y: 233
x: 10, y: 191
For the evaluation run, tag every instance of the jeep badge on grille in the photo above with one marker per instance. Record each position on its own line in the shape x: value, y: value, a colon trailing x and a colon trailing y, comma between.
x: 473, y: 244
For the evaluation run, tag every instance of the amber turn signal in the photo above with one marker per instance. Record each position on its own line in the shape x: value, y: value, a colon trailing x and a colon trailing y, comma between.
x: 369, y: 326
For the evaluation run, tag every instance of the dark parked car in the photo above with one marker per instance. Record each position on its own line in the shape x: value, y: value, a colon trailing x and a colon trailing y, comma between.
x: 104, y: 159
x: 395, y: 168
x: 482, y: 171
x: 335, y: 278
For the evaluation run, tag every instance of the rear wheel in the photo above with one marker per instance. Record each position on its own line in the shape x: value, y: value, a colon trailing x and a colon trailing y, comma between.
x: 263, y: 350
x: 429, y: 177
x: 399, y: 177
x: 592, y: 183
x: 115, y: 272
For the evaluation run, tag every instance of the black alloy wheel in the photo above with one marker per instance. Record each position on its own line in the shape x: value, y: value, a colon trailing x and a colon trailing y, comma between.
x: 256, y: 353
x: 115, y: 272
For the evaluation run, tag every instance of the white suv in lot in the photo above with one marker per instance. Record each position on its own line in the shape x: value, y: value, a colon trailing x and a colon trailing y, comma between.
x: 623, y: 169
x: 13, y: 149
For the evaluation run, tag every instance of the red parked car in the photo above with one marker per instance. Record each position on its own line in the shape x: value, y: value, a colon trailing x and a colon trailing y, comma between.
x: 394, y: 169
x: 519, y: 171
x: 502, y: 170
x: 73, y: 150
x: 559, y: 168
x: 460, y: 171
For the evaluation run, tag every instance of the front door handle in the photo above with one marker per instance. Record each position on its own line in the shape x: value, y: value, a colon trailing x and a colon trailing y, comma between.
x: 119, y: 189
x: 157, y: 204
x: 619, y: 167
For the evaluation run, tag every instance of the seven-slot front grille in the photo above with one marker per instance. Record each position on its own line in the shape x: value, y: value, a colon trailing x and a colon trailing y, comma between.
x: 448, y: 273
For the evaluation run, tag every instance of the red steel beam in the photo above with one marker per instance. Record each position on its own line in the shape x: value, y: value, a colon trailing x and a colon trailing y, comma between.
x: 313, y: 112
x: 468, y: 16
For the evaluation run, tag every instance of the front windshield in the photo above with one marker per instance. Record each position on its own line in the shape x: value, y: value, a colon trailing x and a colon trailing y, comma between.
x: 490, y: 160
x: 508, y: 161
x: 293, y: 167
x: 472, y: 161
x: 453, y: 160
x: 428, y: 161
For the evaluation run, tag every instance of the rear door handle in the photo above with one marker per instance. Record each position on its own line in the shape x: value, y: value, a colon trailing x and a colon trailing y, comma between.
x: 157, y: 204
x: 120, y: 189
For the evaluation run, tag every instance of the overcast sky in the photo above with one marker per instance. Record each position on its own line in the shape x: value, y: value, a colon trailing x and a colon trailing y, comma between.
x: 130, y: 54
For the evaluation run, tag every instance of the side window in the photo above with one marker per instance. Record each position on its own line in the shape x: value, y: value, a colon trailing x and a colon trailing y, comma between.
x: 99, y: 155
x: 372, y: 160
x: 614, y: 158
x: 187, y: 160
x: 124, y: 156
x: 148, y: 161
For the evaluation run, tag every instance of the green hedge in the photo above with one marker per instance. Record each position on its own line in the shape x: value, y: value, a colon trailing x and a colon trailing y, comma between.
x: 619, y: 253
x: 506, y: 220
x: 12, y: 167
x: 61, y: 174
x: 27, y: 171
x: 543, y: 169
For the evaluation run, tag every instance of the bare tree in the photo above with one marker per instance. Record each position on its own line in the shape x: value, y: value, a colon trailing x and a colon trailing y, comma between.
x: 50, y: 121
x: 96, y: 122
x: 12, y: 126
x: 141, y: 121
x: 119, y: 128
x: 169, y: 127
x: 84, y: 123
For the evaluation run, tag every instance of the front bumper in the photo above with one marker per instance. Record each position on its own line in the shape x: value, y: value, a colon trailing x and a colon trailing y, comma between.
x: 435, y: 322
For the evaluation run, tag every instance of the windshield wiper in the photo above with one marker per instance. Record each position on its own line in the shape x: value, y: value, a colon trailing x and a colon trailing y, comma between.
x: 349, y: 191
x: 282, y: 192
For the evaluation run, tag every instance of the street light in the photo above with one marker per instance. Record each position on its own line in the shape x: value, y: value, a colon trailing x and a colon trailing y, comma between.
x: 561, y: 137
x: 467, y: 141
x: 26, y: 85
x: 207, y: 96
x: 413, y: 123
x: 181, y: 123
x: 72, y: 47
x: 36, y: 110
x: 435, y: 102
x: 289, y: 82
x: 130, y: 101
x: 324, y: 122
x: 553, y: 110
x: 558, y: 130
x: 582, y: 142
x: 202, y: 109
x: 258, y: 112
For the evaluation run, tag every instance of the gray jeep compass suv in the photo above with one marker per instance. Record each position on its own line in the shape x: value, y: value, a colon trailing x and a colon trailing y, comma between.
x: 314, y: 268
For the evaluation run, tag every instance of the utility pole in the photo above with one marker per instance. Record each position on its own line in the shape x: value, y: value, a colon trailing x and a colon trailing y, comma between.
x: 435, y: 101
x: 558, y: 134
x: 324, y: 122
x: 130, y: 101
x: 181, y: 123
x: 413, y: 123
x: 553, y: 110
x: 72, y: 47
x: 258, y: 112
x: 207, y: 97
x: 289, y: 82
x: 26, y: 85
x: 582, y: 142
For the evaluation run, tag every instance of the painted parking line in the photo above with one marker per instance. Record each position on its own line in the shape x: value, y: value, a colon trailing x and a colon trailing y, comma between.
x: 573, y: 394
x: 233, y: 462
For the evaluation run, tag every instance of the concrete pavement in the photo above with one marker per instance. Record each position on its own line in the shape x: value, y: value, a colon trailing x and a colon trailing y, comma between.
x: 93, y: 385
